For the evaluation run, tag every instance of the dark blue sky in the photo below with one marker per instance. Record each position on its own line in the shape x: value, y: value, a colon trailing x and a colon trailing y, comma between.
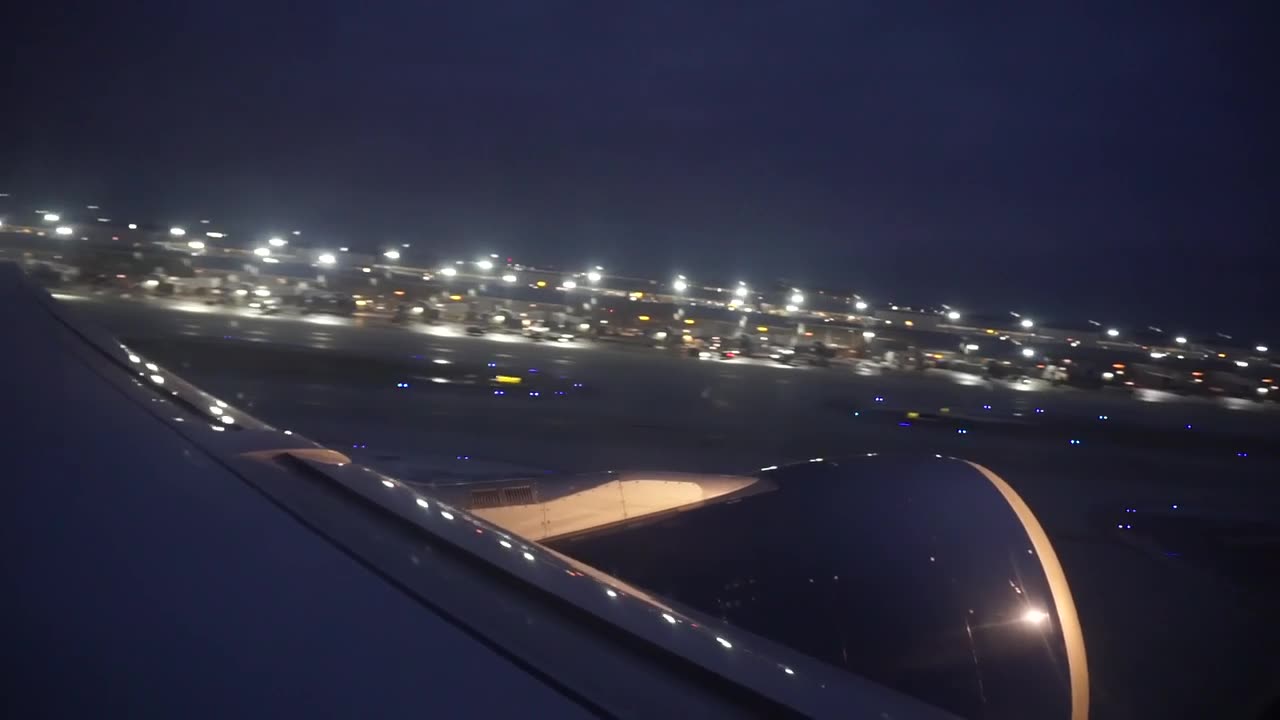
x: 1063, y: 158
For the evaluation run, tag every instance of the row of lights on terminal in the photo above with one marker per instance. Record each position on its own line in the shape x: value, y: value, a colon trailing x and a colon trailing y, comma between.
x: 680, y: 284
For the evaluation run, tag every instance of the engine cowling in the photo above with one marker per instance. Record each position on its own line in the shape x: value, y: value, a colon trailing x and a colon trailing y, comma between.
x: 929, y: 575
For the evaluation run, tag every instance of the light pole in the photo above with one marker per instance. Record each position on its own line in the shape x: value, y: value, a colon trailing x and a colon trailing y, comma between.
x: 797, y: 299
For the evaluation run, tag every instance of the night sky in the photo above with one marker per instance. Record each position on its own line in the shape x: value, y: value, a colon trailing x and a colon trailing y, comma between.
x: 1064, y: 159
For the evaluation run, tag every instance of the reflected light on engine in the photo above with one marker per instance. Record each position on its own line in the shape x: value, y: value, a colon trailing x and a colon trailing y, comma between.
x: 669, y: 618
x: 388, y: 483
x: 1035, y: 617
x: 724, y: 642
x: 423, y: 503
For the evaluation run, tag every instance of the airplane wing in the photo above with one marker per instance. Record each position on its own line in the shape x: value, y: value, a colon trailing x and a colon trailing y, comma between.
x: 170, y: 555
